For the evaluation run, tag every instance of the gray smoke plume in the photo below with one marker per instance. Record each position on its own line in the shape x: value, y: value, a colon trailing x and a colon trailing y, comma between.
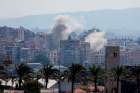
x: 64, y: 26
x: 97, y: 40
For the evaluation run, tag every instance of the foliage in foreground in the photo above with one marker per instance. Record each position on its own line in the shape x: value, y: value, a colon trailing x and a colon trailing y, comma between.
x: 32, y: 86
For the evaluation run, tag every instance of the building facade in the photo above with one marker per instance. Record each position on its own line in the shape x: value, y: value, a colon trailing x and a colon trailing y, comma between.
x: 73, y: 51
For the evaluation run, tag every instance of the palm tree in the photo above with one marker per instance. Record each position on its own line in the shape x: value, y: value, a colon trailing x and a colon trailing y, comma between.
x: 75, y: 69
x: 118, y: 72
x: 60, y: 76
x: 22, y: 70
x: 32, y: 86
x: 4, y: 73
x: 12, y: 77
x: 37, y: 75
x: 95, y: 71
x: 47, y: 72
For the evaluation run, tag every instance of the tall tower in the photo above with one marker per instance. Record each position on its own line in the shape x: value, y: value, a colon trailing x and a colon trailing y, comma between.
x: 112, y: 58
x: 21, y: 34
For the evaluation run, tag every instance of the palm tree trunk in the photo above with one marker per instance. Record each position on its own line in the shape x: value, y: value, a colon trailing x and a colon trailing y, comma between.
x: 118, y: 80
x: 138, y: 84
x: 20, y: 81
x: 12, y: 80
x: 73, y: 79
x: 37, y: 83
x: 46, y: 82
x: 95, y: 82
x: 59, y: 86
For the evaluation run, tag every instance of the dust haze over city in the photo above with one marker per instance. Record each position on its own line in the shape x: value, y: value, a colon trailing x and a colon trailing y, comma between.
x: 69, y: 46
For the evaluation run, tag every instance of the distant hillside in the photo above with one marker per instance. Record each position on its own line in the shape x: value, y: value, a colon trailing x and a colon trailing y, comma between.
x: 127, y: 19
x: 13, y: 33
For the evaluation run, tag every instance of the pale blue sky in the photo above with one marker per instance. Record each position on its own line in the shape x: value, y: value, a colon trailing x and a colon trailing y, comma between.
x: 17, y: 8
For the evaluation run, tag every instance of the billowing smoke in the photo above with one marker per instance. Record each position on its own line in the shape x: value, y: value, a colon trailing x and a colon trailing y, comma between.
x: 64, y: 27
x: 97, y: 40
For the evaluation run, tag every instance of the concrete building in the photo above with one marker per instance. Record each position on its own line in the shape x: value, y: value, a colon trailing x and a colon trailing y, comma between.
x: 124, y: 56
x: 98, y: 57
x: 21, y: 34
x: 112, y: 57
x: 53, y: 56
x: 121, y: 42
x: 84, y: 52
x: 13, y: 52
x: 73, y: 51
x: 25, y: 54
x: 129, y: 50
x: 1, y: 54
x: 134, y: 56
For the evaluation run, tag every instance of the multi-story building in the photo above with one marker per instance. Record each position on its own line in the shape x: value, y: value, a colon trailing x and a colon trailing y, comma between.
x: 122, y: 42
x: 53, y: 56
x: 20, y: 34
x: 124, y: 56
x: 73, y: 51
x: 129, y: 50
x: 84, y: 53
x: 13, y: 52
x: 98, y: 57
x: 40, y: 41
x: 1, y: 54
x: 25, y: 54
x: 134, y: 56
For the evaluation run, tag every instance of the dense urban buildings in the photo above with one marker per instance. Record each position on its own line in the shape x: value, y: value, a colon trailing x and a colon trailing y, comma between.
x: 35, y: 49
x: 74, y: 51
x: 23, y: 45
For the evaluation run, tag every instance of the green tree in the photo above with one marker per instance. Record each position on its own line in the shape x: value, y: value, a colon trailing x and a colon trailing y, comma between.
x: 3, y: 72
x: 47, y: 71
x: 60, y: 76
x: 32, y: 86
x: 118, y: 73
x: 96, y: 72
x: 12, y: 76
x: 22, y: 70
x: 75, y: 70
x: 37, y: 75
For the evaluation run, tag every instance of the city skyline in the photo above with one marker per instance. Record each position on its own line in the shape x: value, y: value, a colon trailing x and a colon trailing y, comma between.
x: 19, y: 8
x: 69, y: 46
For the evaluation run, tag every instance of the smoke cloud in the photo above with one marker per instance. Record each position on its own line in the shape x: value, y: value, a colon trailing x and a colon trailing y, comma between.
x: 72, y: 25
x: 63, y: 27
x: 97, y: 40
x: 66, y: 26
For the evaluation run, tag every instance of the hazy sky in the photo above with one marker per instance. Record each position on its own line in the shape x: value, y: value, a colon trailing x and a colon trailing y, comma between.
x: 16, y: 8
